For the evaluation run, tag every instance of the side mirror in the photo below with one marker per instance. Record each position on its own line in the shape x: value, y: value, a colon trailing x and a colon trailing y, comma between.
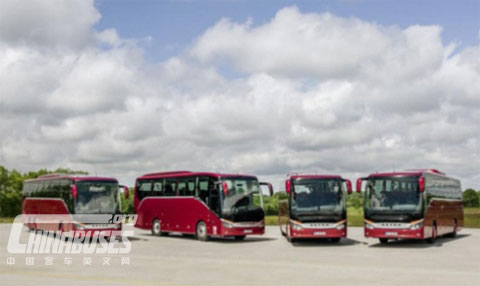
x: 359, y: 185
x: 74, y: 191
x: 288, y: 186
x: 225, y: 188
x: 421, y: 184
x: 269, y: 186
x: 126, y: 191
x: 349, y: 186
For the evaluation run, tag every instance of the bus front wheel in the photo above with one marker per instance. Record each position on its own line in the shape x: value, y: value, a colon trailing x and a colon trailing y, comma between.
x: 157, y: 227
x: 383, y: 240
x: 201, y: 231
x: 240, y: 237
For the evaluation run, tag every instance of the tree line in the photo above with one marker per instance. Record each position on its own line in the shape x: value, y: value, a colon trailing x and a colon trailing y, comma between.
x: 11, y: 185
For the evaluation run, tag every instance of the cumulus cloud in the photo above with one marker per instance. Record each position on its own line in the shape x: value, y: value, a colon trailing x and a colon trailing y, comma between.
x: 317, y: 93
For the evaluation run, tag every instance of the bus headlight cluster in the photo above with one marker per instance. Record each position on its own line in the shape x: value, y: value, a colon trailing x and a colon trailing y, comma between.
x: 416, y: 226
x: 296, y: 225
x: 341, y: 226
x: 79, y: 226
x: 369, y: 225
x: 227, y: 224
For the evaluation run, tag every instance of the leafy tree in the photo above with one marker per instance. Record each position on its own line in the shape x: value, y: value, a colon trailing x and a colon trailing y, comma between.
x: 470, y: 198
x: 355, y: 200
x: 11, y: 185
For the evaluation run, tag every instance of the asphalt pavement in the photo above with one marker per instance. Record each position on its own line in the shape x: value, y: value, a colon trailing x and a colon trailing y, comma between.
x: 258, y: 260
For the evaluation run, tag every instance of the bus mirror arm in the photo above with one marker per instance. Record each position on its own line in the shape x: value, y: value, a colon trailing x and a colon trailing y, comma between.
x: 126, y: 192
x: 269, y: 186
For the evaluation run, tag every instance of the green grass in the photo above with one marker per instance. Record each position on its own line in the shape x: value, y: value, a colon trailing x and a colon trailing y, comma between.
x: 6, y: 219
x: 271, y: 220
x: 355, y: 217
x: 471, y: 217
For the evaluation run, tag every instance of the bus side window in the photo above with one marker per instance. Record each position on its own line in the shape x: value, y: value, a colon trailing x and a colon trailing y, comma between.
x: 191, y: 187
x: 182, y: 187
x: 144, y: 189
x: 214, y: 202
x: 203, y: 189
x: 157, y: 188
x: 170, y: 187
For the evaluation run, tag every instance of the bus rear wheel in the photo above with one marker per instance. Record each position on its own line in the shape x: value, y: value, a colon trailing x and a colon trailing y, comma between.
x: 383, y: 240
x: 201, y: 231
x: 240, y: 237
x: 434, y: 234
x: 453, y: 234
x: 157, y: 227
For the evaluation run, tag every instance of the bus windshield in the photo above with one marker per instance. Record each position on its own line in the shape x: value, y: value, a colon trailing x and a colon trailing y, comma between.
x: 315, y: 196
x: 240, y: 193
x: 96, y: 197
x: 389, y: 194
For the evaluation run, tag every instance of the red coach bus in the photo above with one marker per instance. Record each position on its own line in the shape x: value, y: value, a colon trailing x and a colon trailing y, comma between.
x: 315, y: 208
x: 72, y: 198
x: 416, y: 204
x: 199, y: 203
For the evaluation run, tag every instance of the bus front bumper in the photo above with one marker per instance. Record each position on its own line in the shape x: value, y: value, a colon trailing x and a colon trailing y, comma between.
x: 229, y: 228
x: 318, y: 233
x: 318, y: 230
x: 407, y: 233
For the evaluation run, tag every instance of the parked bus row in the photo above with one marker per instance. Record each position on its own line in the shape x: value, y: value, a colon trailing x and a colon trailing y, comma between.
x: 415, y: 204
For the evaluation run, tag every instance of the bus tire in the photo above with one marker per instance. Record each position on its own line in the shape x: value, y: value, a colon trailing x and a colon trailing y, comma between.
x: 434, y: 234
x: 383, y: 240
x: 240, y: 237
x: 455, y: 227
x: 156, y: 227
x: 201, y: 231
x: 335, y: 239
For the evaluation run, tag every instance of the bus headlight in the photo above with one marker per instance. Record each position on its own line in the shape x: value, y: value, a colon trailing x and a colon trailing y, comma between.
x: 341, y: 226
x: 416, y: 225
x: 296, y: 225
x: 79, y: 226
x: 369, y: 225
x: 227, y: 224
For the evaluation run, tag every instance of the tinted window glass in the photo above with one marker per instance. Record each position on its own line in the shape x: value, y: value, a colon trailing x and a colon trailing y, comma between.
x: 158, y: 188
x: 144, y: 189
x: 170, y: 187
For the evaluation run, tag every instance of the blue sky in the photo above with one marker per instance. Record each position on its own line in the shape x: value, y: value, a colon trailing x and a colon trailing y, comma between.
x: 173, y: 25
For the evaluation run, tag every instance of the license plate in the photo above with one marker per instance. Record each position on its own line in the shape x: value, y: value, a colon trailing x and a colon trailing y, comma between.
x: 247, y: 231
x: 391, y: 233
x: 319, y: 233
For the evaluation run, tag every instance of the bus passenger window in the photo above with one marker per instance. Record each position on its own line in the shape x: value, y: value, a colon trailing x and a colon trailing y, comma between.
x: 170, y: 187
x: 182, y: 188
x: 203, y: 189
x: 157, y: 188
x: 144, y: 189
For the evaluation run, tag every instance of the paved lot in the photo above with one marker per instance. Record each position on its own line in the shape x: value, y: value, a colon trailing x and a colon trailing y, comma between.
x: 265, y: 260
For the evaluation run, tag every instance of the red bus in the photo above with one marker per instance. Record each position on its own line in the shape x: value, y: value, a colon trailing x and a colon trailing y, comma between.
x: 200, y: 203
x: 415, y: 204
x: 315, y: 207
x: 72, y: 198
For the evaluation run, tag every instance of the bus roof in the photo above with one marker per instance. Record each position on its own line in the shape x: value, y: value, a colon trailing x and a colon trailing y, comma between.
x: 174, y: 174
x: 411, y: 172
x: 75, y: 177
x: 309, y: 176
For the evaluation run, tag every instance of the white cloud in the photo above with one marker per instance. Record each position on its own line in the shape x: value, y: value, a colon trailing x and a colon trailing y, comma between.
x: 52, y: 23
x: 319, y: 93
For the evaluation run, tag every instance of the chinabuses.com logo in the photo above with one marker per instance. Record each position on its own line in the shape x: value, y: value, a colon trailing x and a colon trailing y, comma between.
x: 71, y: 234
